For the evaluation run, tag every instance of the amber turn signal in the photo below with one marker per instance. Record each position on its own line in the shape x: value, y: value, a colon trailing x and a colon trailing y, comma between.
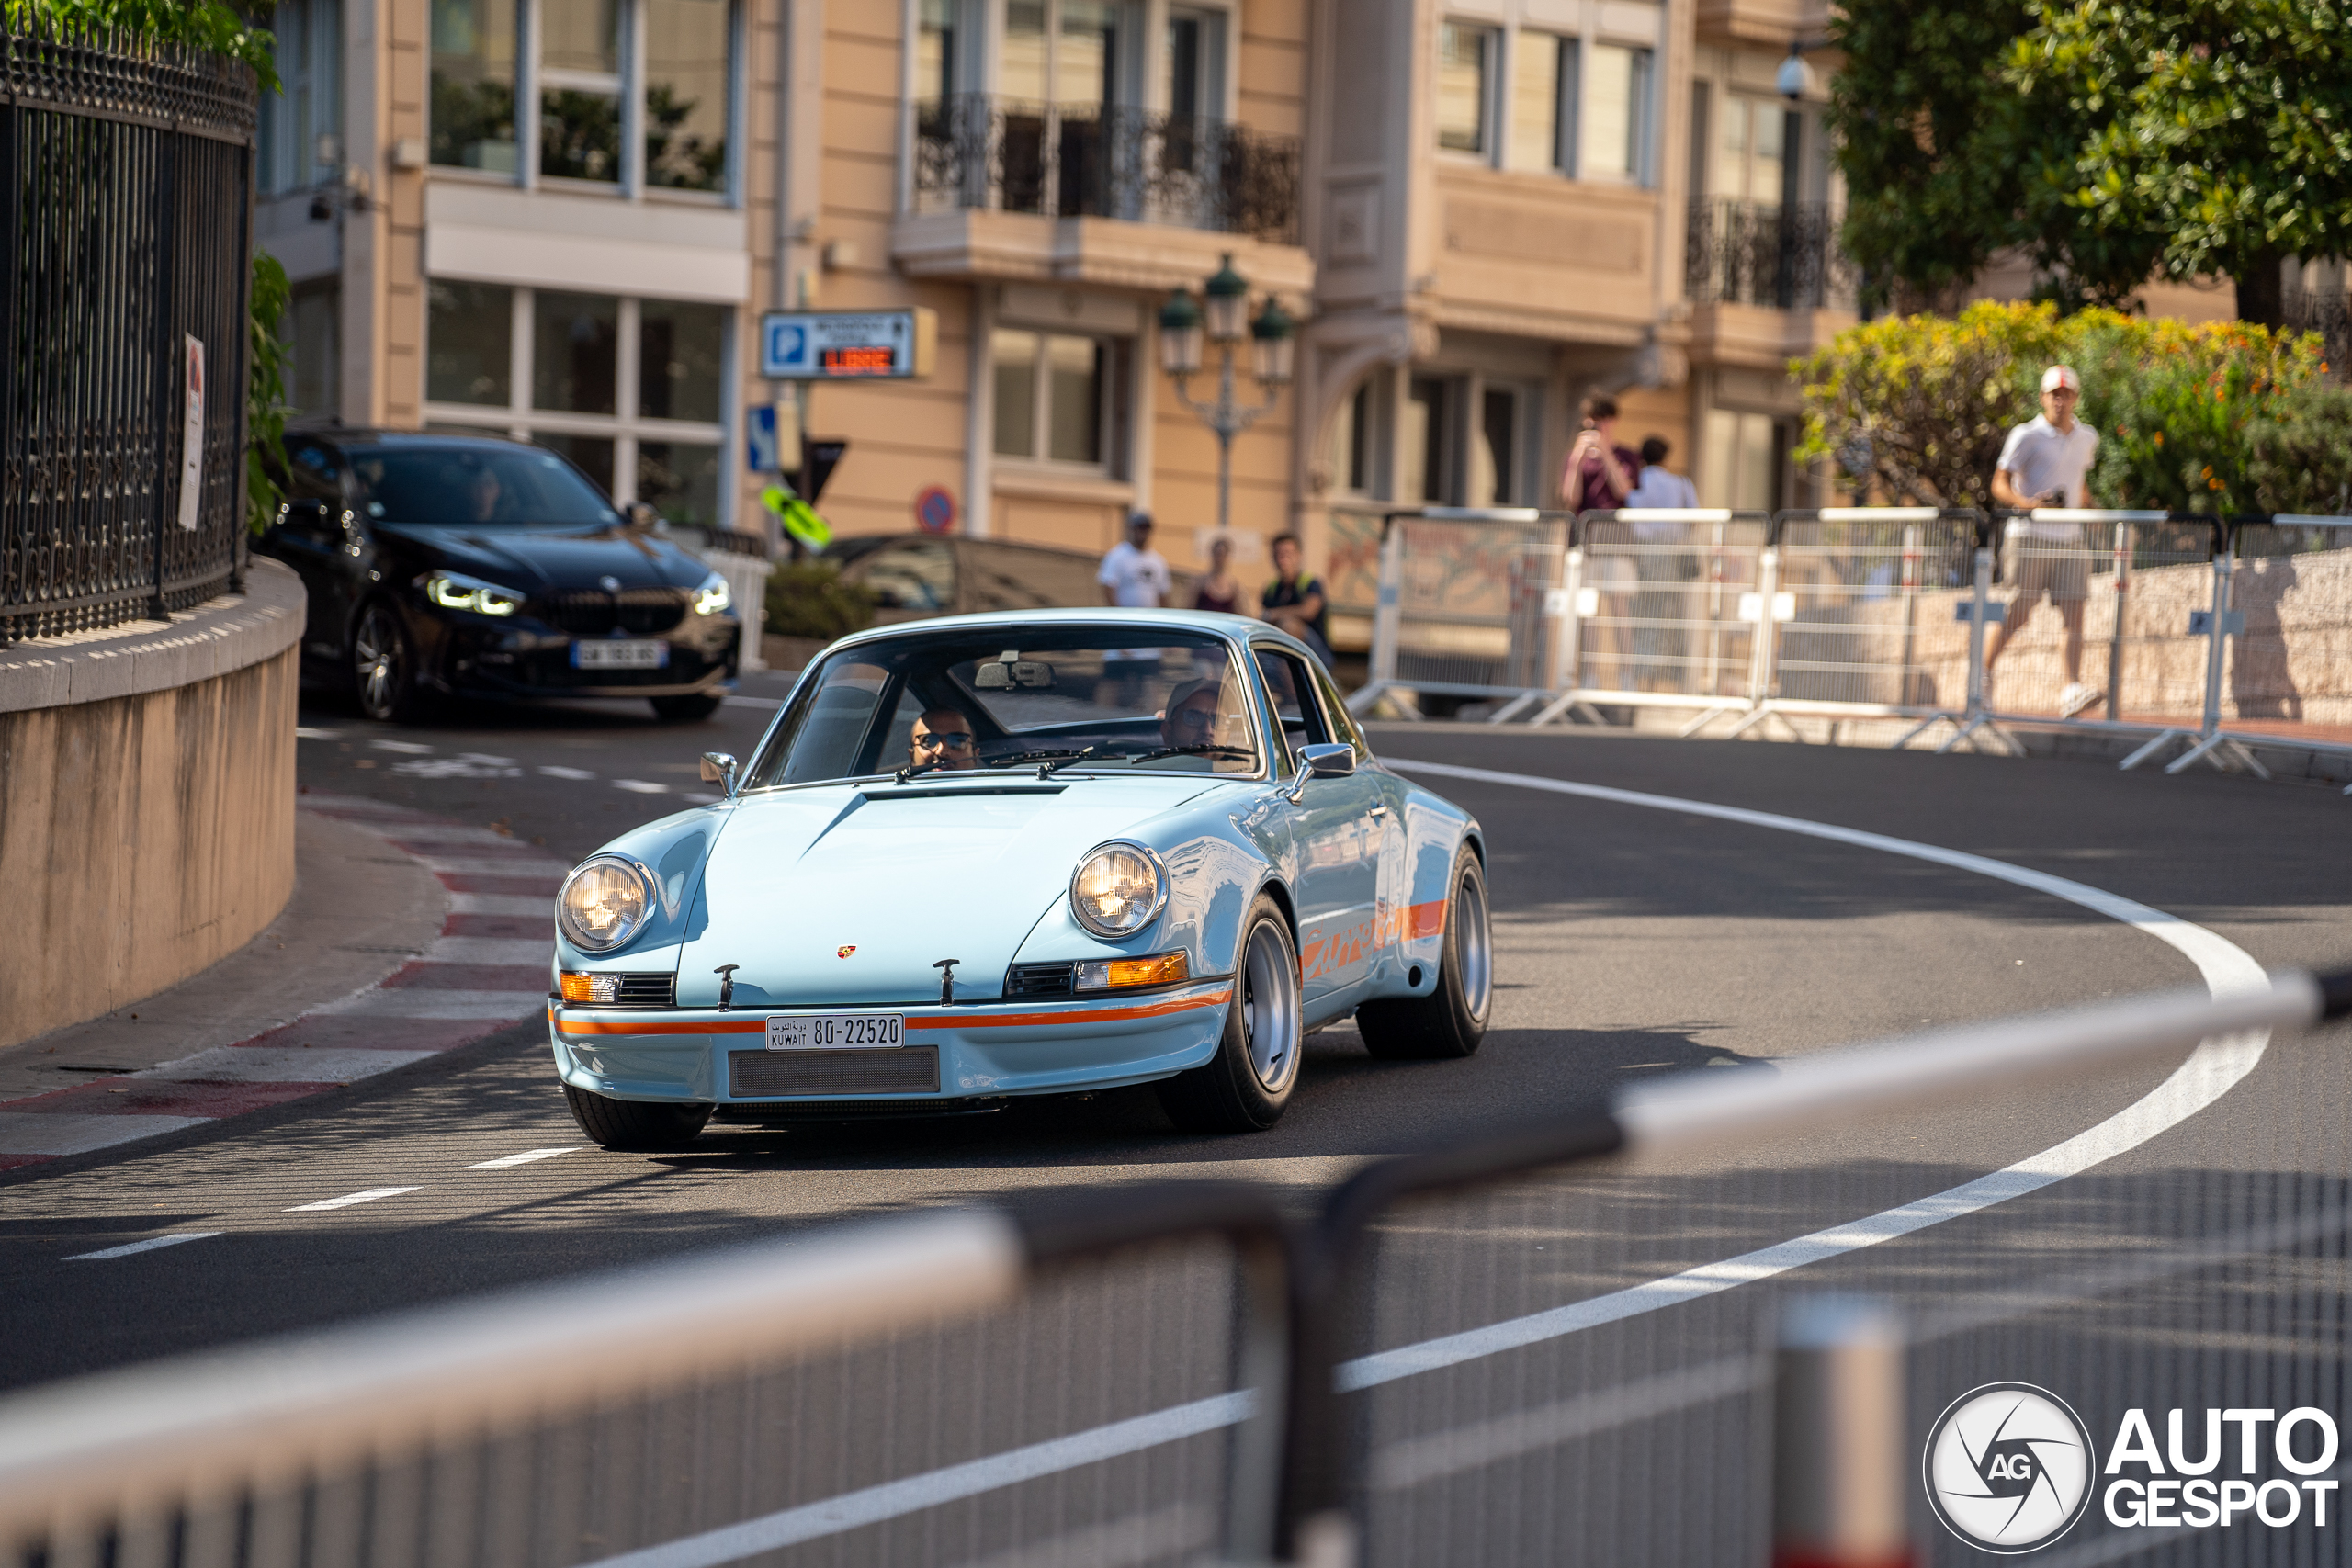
x: 1116, y: 974
x: 582, y: 987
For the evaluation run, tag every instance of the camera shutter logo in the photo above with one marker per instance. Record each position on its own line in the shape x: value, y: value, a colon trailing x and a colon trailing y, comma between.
x: 2009, y: 1468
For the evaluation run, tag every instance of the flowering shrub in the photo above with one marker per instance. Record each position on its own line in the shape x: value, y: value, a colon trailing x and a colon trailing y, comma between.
x: 2220, y: 417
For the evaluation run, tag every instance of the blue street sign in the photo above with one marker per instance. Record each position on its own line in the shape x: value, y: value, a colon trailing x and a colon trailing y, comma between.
x: 760, y: 436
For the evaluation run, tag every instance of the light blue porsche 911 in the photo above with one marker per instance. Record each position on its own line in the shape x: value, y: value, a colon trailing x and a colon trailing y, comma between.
x: 1022, y: 854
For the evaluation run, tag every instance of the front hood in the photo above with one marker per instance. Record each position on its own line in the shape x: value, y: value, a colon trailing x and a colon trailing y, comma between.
x: 536, y: 559
x: 850, y: 894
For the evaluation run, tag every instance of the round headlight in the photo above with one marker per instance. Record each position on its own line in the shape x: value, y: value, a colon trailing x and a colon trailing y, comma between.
x: 1118, y: 890
x: 603, y: 903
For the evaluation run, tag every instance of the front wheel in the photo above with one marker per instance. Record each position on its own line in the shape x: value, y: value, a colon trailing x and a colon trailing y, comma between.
x: 1244, y: 1088
x: 1452, y: 1020
x: 634, y: 1124
x: 383, y: 666
x: 686, y: 709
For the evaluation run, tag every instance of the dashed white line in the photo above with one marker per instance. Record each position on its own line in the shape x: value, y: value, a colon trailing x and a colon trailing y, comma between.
x: 500, y: 904
x: 150, y: 1244
x: 526, y: 1157
x: 304, y: 732
x: 640, y: 786
x: 406, y: 747
x: 754, y: 702
x: 551, y: 771
x: 348, y: 1199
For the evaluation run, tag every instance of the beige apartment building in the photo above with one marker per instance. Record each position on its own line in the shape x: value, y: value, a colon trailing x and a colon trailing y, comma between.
x: 562, y: 219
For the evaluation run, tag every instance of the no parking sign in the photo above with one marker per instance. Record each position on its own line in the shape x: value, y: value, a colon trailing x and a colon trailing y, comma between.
x: 935, y: 510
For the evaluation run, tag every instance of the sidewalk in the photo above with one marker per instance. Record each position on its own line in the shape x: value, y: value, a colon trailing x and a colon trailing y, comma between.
x: 407, y: 936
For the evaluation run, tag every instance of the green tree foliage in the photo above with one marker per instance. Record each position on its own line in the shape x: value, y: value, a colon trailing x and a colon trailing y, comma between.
x: 2222, y: 417
x: 2222, y: 127
x: 266, y: 393
x: 809, y: 599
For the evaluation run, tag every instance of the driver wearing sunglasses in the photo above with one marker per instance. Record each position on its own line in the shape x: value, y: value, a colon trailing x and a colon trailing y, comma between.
x: 942, y: 737
x: 1191, y: 717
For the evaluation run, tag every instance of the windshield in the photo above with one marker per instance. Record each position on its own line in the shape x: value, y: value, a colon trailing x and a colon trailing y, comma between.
x: 1093, y: 699
x: 474, y: 486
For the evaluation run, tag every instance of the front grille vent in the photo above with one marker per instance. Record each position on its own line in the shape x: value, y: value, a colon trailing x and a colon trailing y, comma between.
x: 638, y: 611
x: 1041, y: 980
x: 909, y: 1069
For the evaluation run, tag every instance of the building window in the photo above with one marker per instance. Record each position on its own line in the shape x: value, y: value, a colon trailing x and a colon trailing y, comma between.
x: 1426, y: 441
x: 1056, y: 398
x: 1613, y: 127
x: 313, y: 333
x: 1352, y: 442
x: 1540, y: 67
x: 1192, y: 70
x: 1494, y: 478
x: 301, y: 137
x: 631, y: 391
x: 935, y: 59
x: 1751, y: 160
x: 1746, y: 457
x: 1464, y: 56
x: 659, y: 71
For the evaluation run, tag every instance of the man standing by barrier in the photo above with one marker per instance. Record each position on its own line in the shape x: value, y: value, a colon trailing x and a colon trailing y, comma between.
x: 2046, y: 462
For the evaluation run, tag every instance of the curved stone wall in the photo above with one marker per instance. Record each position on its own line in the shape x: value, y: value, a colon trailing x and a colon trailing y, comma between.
x: 146, y: 800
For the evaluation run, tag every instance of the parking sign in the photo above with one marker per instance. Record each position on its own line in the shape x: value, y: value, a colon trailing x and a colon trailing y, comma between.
x: 846, y: 345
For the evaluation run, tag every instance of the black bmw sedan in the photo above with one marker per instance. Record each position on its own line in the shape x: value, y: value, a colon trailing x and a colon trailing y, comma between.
x: 473, y: 566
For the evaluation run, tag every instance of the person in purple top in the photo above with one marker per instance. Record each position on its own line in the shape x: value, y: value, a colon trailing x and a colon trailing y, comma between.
x: 1600, y: 473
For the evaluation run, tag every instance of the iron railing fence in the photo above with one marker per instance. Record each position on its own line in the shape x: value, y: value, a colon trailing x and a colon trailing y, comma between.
x: 1746, y: 252
x: 1105, y: 161
x: 1497, y: 1352
x: 125, y: 243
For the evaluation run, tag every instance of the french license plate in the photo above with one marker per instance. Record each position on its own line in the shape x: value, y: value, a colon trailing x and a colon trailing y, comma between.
x: 627, y: 653
x: 837, y: 1031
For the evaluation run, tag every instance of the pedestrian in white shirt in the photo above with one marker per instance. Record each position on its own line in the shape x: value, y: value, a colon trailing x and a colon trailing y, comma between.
x: 2046, y: 462
x: 1133, y: 577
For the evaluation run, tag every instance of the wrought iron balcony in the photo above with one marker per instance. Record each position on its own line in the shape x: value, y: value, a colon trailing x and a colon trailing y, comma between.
x: 1743, y: 253
x: 1105, y: 161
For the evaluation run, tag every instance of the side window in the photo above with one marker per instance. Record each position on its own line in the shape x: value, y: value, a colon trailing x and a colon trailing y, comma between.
x: 312, y: 473
x: 840, y: 714
x: 1298, y: 719
x: 1343, y: 723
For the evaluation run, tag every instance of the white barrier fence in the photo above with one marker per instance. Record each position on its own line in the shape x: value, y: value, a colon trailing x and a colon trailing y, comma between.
x: 2207, y: 636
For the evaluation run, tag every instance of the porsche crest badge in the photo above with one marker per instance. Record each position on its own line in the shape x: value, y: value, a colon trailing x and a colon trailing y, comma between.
x: 845, y: 952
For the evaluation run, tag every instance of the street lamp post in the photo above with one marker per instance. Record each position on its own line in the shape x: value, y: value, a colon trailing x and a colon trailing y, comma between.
x: 1272, y: 345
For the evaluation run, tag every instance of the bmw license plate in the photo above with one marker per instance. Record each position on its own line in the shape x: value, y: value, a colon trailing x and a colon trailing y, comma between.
x: 621, y: 653
x: 837, y: 1031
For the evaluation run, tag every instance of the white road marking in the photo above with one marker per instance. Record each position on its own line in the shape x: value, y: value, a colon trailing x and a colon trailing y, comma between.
x: 511, y: 904
x: 2209, y: 1072
x: 754, y: 702
x: 639, y: 786
x: 150, y: 1244
x: 813, y: 1521
x: 553, y: 771
x: 79, y: 1132
x: 282, y: 1063
x: 510, y: 867
x: 518, y: 951
x: 407, y: 748
x: 348, y: 1199
x: 426, y: 1002
x: 304, y: 732
x: 526, y: 1157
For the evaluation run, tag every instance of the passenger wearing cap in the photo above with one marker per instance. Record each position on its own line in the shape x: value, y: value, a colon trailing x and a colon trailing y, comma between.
x: 2046, y: 462
x: 1196, y: 716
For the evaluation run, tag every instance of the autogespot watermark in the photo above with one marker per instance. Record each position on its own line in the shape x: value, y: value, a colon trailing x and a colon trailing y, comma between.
x: 2010, y: 1468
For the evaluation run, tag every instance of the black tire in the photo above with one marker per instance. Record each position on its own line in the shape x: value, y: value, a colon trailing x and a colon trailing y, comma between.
x: 686, y: 709
x: 1449, y: 1022
x: 1245, y: 1086
x: 633, y: 1124
x: 383, y: 666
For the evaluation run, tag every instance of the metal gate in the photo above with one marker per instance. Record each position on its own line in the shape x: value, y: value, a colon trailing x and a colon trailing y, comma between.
x: 1471, y: 604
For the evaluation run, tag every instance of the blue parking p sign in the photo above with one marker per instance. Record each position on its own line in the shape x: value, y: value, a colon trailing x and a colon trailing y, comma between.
x: 846, y: 345
x: 784, y: 347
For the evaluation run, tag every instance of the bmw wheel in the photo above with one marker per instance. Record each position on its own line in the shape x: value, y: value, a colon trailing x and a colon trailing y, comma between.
x: 1452, y: 1020
x: 383, y: 666
x: 1244, y: 1088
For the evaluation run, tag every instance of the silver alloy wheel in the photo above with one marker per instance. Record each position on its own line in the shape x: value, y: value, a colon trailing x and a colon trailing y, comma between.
x: 1472, y: 945
x: 1269, y: 1007
x: 375, y: 660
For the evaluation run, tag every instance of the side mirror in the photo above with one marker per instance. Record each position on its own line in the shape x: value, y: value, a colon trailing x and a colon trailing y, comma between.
x: 1328, y: 761
x: 642, y: 515
x: 719, y: 768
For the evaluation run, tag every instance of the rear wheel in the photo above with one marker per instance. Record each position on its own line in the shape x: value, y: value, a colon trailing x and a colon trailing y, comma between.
x: 1452, y: 1020
x: 685, y: 710
x: 383, y: 666
x: 633, y: 1124
x: 1245, y: 1086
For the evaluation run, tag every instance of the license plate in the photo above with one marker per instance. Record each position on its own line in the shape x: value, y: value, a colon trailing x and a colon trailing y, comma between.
x: 621, y: 654
x: 837, y: 1031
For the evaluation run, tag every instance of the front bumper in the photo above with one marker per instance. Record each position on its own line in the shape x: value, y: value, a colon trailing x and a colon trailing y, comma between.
x: 970, y: 1051
x: 476, y: 658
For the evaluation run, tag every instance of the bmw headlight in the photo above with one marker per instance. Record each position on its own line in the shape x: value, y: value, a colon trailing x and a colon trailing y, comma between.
x: 1119, y: 889
x: 455, y: 591
x: 603, y: 903
x: 712, y: 596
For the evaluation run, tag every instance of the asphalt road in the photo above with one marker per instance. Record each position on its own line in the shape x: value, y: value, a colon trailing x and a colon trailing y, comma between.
x: 1631, y: 940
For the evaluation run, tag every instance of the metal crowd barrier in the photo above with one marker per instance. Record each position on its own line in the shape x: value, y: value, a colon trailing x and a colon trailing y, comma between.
x: 2213, y: 634
x: 1460, y: 1359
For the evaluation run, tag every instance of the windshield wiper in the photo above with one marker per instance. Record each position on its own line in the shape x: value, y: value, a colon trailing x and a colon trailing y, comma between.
x: 995, y: 765
x: 1192, y: 751
x: 1045, y: 770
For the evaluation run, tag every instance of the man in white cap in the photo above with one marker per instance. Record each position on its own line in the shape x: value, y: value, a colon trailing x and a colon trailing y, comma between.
x: 2047, y: 462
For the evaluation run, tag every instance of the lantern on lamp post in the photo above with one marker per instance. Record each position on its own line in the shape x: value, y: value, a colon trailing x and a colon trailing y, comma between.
x: 1224, y: 319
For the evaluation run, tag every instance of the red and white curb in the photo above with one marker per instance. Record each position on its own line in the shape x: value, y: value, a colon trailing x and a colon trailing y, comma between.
x: 486, y: 971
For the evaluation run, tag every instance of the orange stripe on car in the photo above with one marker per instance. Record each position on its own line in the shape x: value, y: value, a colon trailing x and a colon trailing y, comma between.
x: 941, y: 1020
